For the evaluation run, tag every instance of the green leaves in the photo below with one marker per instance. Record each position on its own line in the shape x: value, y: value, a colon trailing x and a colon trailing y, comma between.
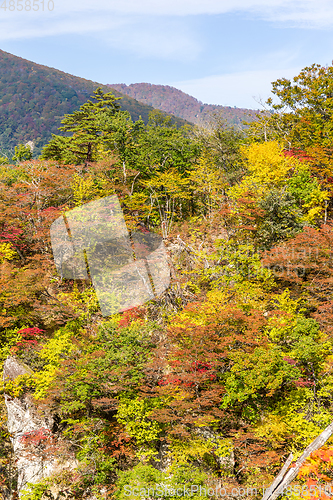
x: 303, y: 115
x: 136, y: 416
x: 102, y: 368
x: 88, y: 127
x: 256, y: 376
x: 282, y: 218
x: 22, y: 153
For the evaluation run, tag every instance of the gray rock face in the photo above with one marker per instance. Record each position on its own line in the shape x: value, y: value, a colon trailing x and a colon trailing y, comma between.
x: 25, y: 421
x: 12, y: 369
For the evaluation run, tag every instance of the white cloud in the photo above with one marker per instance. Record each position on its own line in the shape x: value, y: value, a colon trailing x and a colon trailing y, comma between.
x: 172, y: 7
x: 38, y: 25
x: 137, y: 24
x: 190, y: 7
x: 316, y: 13
x: 243, y: 89
x: 163, y: 38
x: 309, y: 12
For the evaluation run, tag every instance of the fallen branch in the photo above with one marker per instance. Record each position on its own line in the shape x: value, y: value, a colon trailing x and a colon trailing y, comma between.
x: 286, y: 476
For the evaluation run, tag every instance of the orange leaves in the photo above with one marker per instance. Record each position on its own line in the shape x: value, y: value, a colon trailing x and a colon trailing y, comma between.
x: 318, y: 465
x: 305, y: 263
x: 203, y: 343
x: 316, y: 471
x: 28, y: 206
x: 134, y: 314
x: 321, y: 161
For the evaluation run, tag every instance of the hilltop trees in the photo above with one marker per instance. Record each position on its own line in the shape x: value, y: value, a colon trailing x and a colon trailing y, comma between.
x: 300, y: 115
x: 307, y: 107
x: 301, y: 120
x: 223, y: 144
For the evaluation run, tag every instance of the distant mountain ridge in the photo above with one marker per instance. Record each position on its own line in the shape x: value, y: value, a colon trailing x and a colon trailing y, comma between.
x: 34, y: 98
x: 174, y: 101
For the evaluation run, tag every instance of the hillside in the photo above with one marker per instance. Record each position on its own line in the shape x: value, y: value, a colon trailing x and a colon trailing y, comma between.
x: 166, y: 308
x: 34, y: 98
x: 176, y: 102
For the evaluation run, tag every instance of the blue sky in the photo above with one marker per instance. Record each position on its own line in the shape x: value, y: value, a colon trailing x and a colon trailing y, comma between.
x: 220, y: 51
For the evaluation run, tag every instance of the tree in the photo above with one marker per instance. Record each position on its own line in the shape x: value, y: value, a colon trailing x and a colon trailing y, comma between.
x: 28, y: 208
x: 23, y: 152
x: 88, y: 127
x: 286, y: 476
x: 222, y: 142
x: 94, y: 382
x: 150, y: 164
x: 302, y: 117
x: 304, y: 263
x: 282, y: 218
x: 208, y: 184
x: 168, y: 192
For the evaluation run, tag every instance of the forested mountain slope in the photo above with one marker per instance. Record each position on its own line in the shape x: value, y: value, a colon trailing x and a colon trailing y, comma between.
x: 178, y: 103
x: 223, y: 367
x: 34, y: 98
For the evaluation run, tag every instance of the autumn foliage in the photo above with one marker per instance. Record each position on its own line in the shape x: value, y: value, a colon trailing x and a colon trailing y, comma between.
x: 230, y: 369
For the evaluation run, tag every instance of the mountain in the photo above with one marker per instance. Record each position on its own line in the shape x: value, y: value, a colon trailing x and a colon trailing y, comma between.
x: 34, y: 98
x: 176, y: 102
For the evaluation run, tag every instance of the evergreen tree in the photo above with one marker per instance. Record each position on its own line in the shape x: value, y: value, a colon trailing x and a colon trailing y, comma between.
x: 88, y: 126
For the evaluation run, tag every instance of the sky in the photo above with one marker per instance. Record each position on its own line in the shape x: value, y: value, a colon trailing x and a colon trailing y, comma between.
x: 223, y: 52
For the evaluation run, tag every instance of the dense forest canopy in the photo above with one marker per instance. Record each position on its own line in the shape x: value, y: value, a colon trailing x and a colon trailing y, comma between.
x: 176, y: 102
x: 34, y: 98
x: 218, y: 379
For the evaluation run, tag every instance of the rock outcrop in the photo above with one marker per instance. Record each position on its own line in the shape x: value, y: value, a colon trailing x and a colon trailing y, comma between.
x: 30, y: 432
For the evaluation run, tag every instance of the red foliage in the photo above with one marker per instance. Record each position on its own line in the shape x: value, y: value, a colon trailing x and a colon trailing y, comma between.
x: 35, y: 438
x: 301, y: 382
x: 195, y: 358
x: 13, y: 235
x: 305, y: 264
x: 29, y: 339
x: 297, y: 153
x: 196, y: 367
x: 290, y: 361
x: 317, y: 471
x: 130, y: 315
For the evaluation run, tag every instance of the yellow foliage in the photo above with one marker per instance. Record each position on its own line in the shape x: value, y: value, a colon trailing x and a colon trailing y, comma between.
x: 273, y: 428
x: 52, y: 352
x: 287, y: 304
x: 43, y: 381
x: 16, y: 388
x: 267, y: 167
x: 201, y: 313
x: 207, y: 182
x: 7, y: 252
x: 171, y: 183
x: 137, y: 207
x: 266, y: 162
x: 134, y: 415
x: 84, y: 189
x: 277, y: 326
x: 316, y: 205
x: 290, y: 418
x: 83, y: 303
x: 199, y: 448
x: 246, y: 295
